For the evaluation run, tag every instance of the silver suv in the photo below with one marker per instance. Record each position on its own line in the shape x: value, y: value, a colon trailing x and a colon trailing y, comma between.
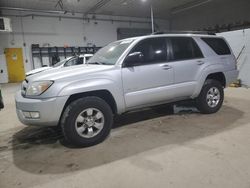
x: 127, y: 75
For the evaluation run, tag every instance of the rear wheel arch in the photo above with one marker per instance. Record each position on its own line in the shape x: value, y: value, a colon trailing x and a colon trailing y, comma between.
x: 209, y: 75
x: 218, y: 76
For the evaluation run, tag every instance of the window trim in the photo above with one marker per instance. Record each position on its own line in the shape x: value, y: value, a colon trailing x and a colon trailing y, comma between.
x: 169, y: 51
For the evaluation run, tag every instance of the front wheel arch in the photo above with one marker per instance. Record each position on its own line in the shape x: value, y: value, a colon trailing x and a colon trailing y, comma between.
x: 69, y: 121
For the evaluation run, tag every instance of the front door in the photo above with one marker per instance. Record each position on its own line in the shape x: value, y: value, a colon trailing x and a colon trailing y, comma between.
x: 14, y: 60
x: 148, y: 82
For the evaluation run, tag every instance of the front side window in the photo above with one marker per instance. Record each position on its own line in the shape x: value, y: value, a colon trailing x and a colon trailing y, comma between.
x: 153, y: 50
x: 184, y: 48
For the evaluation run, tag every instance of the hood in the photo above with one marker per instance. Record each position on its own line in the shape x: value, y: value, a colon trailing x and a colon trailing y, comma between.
x: 37, y: 70
x: 66, y: 72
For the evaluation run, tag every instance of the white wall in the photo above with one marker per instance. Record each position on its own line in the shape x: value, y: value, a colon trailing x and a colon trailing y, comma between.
x: 52, y: 31
x: 237, y: 40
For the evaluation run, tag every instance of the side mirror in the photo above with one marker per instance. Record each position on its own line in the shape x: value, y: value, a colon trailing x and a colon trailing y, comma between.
x: 133, y: 59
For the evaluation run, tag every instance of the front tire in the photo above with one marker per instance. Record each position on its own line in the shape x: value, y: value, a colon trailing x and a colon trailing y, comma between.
x: 211, y: 97
x: 87, y: 121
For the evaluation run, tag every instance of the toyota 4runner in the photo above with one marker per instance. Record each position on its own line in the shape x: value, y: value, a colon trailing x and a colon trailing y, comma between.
x: 124, y: 76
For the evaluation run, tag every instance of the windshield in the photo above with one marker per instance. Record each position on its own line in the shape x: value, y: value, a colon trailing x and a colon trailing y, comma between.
x: 109, y: 54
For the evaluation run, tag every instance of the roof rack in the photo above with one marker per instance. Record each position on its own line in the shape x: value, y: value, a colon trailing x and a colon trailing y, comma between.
x: 184, y: 32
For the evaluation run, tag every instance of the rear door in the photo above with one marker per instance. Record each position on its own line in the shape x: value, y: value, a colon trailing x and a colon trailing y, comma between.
x: 187, y: 61
x: 148, y: 82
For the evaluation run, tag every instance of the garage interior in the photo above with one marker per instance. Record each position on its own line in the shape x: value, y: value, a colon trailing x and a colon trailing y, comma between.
x: 145, y: 148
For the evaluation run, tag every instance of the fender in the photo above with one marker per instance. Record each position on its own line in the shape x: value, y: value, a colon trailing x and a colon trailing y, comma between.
x: 94, y: 84
x: 210, y: 69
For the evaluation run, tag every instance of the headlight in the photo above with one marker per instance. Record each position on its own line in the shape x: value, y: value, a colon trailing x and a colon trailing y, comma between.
x: 37, y: 88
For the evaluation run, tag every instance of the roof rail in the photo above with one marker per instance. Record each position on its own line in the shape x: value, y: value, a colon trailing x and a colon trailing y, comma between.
x: 184, y: 32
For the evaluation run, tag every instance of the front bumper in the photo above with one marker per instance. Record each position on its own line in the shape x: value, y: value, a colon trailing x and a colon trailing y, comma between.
x: 231, y: 76
x: 49, y: 110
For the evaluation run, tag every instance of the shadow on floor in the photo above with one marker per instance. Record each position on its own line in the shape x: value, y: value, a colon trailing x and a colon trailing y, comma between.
x: 38, y: 150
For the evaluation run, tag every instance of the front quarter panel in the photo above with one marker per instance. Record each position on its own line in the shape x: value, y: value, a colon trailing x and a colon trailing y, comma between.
x: 96, y: 84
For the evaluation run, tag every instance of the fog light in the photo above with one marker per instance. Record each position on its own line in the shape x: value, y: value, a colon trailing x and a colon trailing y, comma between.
x: 31, y: 115
x: 34, y: 115
x: 26, y: 114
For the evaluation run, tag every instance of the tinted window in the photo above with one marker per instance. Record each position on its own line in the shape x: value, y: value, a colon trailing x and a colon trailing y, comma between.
x: 1, y: 24
x: 153, y: 50
x: 218, y: 45
x: 185, y: 48
x: 87, y: 58
x: 74, y: 61
x: 80, y: 61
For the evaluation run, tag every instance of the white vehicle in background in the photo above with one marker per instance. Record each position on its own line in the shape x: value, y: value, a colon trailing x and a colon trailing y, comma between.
x: 70, y: 61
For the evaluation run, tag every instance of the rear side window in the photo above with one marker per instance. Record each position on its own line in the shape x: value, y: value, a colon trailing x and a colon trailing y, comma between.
x: 219, y: 46
x: 153, y: 50
x: 185, y: 48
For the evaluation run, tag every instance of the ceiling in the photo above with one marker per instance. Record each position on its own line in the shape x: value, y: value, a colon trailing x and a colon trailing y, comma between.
x: 136, y: 8
x: 182, y: 14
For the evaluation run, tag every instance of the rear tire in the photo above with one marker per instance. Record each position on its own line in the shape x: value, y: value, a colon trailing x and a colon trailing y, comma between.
x: 211, y: 97
x: 87, y: 121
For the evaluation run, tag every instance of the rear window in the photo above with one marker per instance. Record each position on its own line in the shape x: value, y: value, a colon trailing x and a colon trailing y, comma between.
x: 219, y: 46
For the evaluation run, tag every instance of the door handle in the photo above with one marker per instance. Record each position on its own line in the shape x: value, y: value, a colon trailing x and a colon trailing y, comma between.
x: 166, y: 67
x: 200, y: 62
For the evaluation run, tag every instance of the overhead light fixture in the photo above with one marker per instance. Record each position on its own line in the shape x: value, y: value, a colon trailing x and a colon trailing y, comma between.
x: 124, y: 3
x: 188, y: 6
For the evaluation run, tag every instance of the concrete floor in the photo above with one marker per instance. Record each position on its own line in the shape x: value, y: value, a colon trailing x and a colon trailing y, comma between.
x: 145, y: 149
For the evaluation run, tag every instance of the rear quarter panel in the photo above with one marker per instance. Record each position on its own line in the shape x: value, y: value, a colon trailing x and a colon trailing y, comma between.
x: 213, y: 63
